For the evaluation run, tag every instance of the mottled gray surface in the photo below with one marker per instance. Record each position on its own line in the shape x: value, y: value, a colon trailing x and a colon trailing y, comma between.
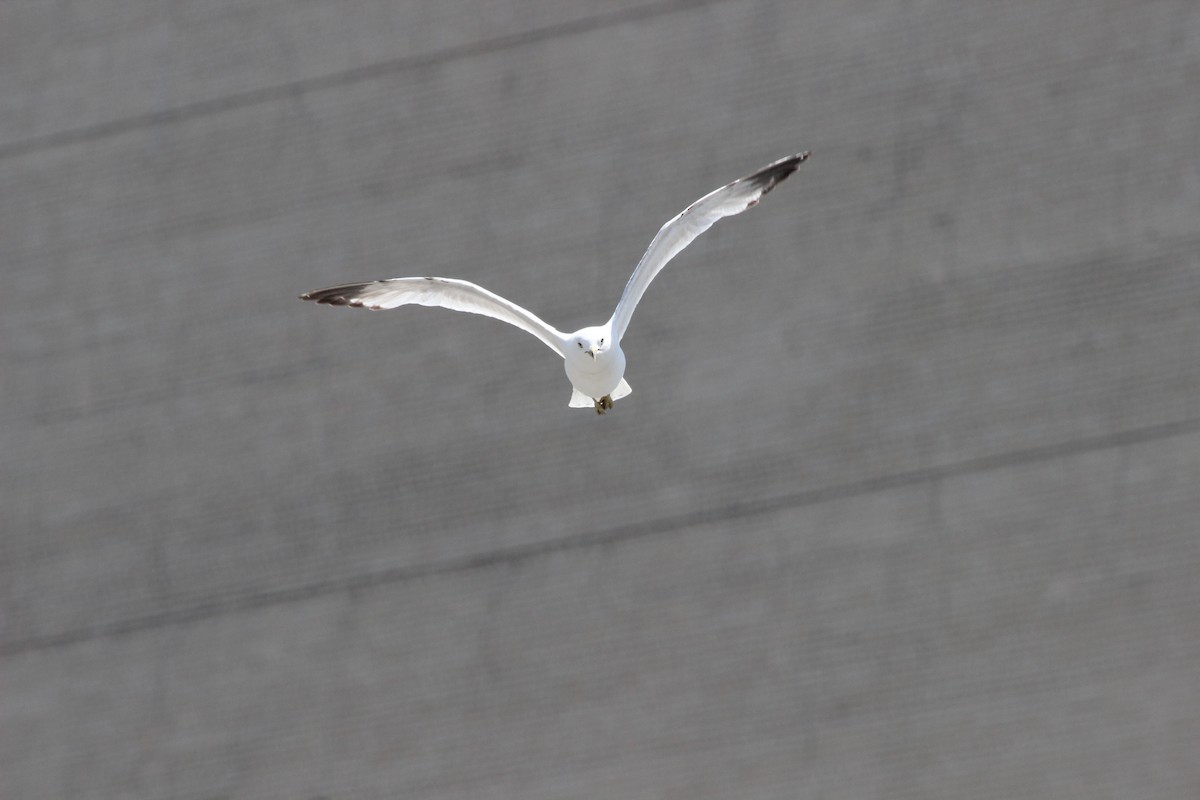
x: 912, y: 514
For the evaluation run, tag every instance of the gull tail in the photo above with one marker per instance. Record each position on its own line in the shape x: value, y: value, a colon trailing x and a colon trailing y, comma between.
x: 581, y: 400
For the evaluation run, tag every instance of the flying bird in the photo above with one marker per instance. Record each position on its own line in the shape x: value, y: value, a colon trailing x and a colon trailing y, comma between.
x: 594, y: 361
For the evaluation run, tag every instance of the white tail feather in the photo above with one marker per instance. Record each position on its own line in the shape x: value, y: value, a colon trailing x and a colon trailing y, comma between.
x: 580, y: 400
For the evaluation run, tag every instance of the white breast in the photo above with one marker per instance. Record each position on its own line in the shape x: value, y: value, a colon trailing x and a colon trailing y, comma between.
x: 597, y: 377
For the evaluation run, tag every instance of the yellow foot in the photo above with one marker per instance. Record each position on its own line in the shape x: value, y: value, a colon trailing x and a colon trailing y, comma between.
x: 603, y: 404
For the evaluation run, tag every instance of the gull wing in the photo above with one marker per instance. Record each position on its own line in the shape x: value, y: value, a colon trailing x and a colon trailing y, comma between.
x: 451, y: 293
x: 694, y: 220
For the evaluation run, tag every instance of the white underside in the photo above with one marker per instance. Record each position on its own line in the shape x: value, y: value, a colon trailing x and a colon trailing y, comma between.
x: 593, y: 377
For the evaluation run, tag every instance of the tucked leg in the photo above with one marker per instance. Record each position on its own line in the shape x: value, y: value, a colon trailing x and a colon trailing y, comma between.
x: 603, y: 404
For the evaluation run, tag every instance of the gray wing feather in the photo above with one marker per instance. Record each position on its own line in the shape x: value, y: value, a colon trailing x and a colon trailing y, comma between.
x: 677, y: 234
x: 457, y: 295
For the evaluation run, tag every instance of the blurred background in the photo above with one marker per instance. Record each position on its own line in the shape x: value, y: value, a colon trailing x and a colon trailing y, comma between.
x: 904, y: 503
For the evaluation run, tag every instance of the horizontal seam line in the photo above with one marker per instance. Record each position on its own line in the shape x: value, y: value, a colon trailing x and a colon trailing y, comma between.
x: 609, y: 536
x: 344, y: 77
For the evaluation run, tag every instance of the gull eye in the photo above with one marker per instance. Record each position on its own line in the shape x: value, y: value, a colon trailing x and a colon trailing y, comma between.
x: 601, y: 341
x: 580, y: 345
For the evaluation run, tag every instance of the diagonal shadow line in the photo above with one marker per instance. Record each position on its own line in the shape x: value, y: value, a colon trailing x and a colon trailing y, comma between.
x: 604, y: 537
x: 346, y: 77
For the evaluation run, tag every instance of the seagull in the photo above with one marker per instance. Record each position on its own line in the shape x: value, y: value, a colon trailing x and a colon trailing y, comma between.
x: 594, y: 361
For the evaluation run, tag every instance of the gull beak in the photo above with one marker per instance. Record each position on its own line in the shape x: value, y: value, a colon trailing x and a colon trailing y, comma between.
x: 591, y: 351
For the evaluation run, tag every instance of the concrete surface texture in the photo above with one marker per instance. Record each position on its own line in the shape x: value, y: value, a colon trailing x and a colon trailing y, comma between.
x: 913, y: 514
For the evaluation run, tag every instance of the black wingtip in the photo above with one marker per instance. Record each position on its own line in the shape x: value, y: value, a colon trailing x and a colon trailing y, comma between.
x: 333, y: 296
x: 778, y: 171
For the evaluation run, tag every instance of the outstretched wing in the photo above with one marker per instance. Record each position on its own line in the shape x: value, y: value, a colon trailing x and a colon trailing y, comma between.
x: 694, y: 220
x: 444, y: 292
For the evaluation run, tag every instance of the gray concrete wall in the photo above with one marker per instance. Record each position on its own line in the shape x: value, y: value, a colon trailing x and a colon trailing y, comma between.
x: 904, y: 503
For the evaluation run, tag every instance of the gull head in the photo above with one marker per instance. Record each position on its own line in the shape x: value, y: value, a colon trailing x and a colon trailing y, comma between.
x: 591, y: 343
